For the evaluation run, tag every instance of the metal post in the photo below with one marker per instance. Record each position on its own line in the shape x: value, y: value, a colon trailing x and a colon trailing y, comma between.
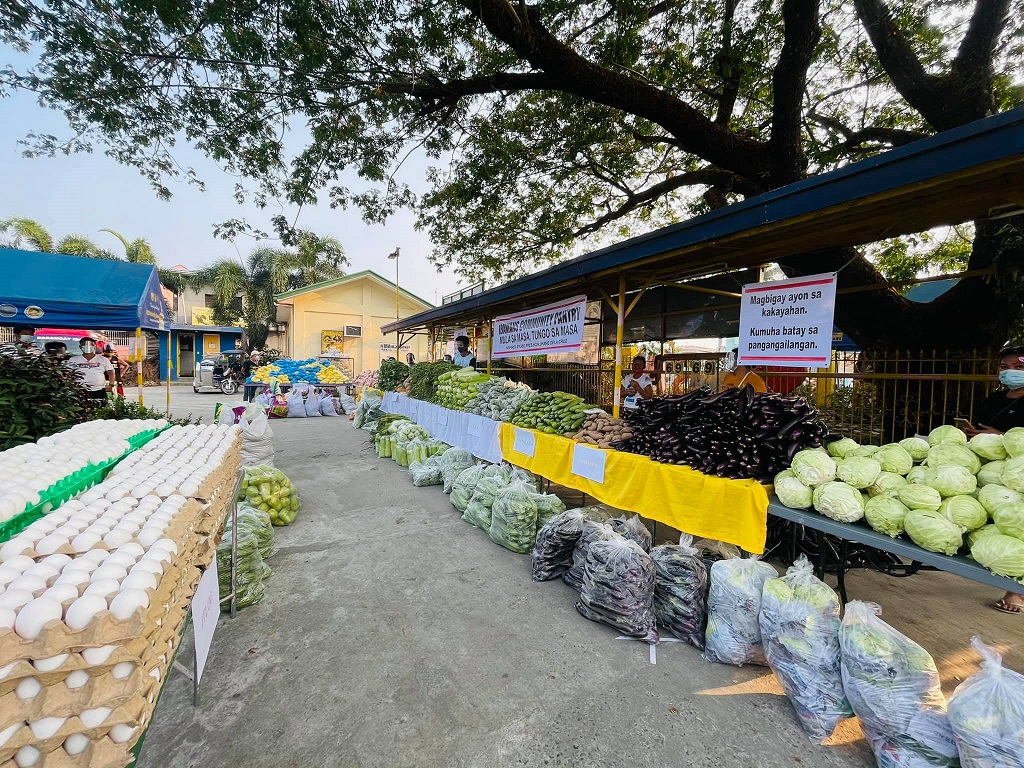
x: 195, y: 670
x: 619, y: 325
x: 138, y: 361
x: 168, y: 373
x: 489, y: 348
x: 234, y: 542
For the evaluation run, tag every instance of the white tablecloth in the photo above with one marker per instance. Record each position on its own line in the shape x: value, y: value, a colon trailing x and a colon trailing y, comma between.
x: 476, y: 434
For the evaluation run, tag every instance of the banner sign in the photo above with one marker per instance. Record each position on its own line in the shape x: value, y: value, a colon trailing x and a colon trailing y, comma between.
x: 788, y: 323
x: 553, y: 328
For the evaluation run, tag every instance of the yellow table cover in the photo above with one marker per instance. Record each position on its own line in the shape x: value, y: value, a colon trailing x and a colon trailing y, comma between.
x: 734, y: 511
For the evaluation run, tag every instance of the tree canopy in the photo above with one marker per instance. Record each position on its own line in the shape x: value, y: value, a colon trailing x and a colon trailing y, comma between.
x: 550, y: 125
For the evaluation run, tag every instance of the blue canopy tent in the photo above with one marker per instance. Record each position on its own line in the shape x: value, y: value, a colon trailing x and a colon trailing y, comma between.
x: 73, y: 292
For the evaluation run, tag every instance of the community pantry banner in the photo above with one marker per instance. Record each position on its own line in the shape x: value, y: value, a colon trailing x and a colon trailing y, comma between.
x: 553, y: 328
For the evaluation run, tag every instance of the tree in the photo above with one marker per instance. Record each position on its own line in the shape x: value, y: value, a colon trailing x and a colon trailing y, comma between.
x: 30, y: 234
x: 553, y: 125
x: 314, y: 260
x: 138, y: 251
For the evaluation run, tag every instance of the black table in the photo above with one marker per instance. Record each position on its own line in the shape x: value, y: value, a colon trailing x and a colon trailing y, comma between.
x: 906, y: 558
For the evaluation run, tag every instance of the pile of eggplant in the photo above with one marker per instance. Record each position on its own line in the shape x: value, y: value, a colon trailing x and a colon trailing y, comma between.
x: 738, y: 433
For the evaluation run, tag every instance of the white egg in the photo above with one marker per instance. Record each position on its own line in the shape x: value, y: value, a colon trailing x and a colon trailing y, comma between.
x: 93, y: 718
x: 151, y: 534
x: 51, y: 663
x: 119, y: 559
x: 151, y: 565
x: 160, y: 555
x: 20, y: 563
x: 102, y: 504
x: 29, y: 583
x: 83, y: 542
x: 76, y: 744
x: 97, y: 656
x: 57, y: 561
x: 165, y: 489
x: 46, y: 727
x: 62, y: 592
x: 83, y: 611
x: 74, y: 577
x: 108, y: 570
x: 122, y: 670
x: 121, y: 732
x: 73, y: 506
x: 5, y: 671
x: 128, y: 527
x: 91, y: 495
x: 6, y: 733
x: 132, y: 549
x: 96, y: 555
x: 35, y: 615
x: 44, y: 571
x: 76, y: 679
x: 51, y: 543
x: 117, y: 537
x: 139, y: 580
x: 26, y: 757
x: 7, y: 619
x: 116, y: 494
x: 166, y: 545
x: 28, y: 688
x: 188, y: 488
x: 87, y: 565
x: 16, y: 546
x: 7, y: 575
x: 102, y: 588
x: 124, y: 605
x: 15, y: 598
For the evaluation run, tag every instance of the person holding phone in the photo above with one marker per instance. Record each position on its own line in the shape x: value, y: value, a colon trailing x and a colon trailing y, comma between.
x: 997, y: 413
x: 636, y: 385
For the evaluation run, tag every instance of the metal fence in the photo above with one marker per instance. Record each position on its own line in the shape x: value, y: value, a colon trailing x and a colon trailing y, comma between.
x: 584, y: 381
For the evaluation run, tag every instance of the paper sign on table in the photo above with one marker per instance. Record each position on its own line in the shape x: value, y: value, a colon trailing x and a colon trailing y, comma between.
x: 525, y: 442
x: 442, y: 416
x: 474, y: 428
x: 589, y: 462
x: 205, y: 613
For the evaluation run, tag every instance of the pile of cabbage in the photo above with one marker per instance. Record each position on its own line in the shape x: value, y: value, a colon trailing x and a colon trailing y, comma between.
x: 498, y: 398
x: 938, y: 491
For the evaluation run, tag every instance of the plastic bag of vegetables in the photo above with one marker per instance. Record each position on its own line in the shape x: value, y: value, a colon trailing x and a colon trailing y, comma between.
x: 734, y: 601
x: 618, y: 588
x: 548, y: 505
x: 893, y: 686
x: 478, y: 511
x: 464, y: 485
x: 552, y: 554
x: 633, y: 529
x: 525, y: 476
x: 592, y: 531
x: 800, y: 632
x: 270, y: 490
x: 453, y: 461
x: 986, y: 712
x: 426, y: 472
x: 514, y: 517
x: 680, y: 590
x: 250, y: 569
x: 257, y: 522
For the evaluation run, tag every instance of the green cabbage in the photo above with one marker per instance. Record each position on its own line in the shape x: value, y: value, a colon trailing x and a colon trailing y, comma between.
x: 1012, y: 473
x: 988, y: 446
x: 1013, y: 441
x: 932, y: 531
x: 917, y: 474
x: 839, y: 448
x: 992, y: 496
x: 864, y: 451
x: 858, y: 471
x: 793, y: 493
x: 1009, y: 519
x: 894, y: 458
x: 991, y: 473
x: 919, y: 496
x: 965, y: 512
x: 814, y: 467
x: 950, y: 453
x: 839, y: 501
x: 886, y: 514
x: 947, y: 433
x: 986, y: 530
x: 784, y: 474
x: 887, y: 484
x: 916, y: 447
x: 1003, y: 555
x: 951, y: 480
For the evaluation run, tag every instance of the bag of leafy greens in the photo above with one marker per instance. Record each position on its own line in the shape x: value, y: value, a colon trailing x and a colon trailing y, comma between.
x: 893, y: 686
x: 800, y: 634
x: 453, y: 461
x: 592, y: 531
x: 634, y: 529
x: 514, y: 517
x: 258, y: 522
x: 680, y: 590
x: 478, y: 512
x: 618, y: 588
x: 734, y: 602
x: 426, y: 472
x: 548, y: 505
x: 552, y: 554
x: 464, y: 485
x: 250, y: 570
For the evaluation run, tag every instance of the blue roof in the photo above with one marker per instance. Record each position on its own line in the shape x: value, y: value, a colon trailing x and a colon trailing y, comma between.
x: 925, y: 292
x: 62, y: 291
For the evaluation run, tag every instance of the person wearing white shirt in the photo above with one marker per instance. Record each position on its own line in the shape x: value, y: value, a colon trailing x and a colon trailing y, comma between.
x: 94, y: 371
x: 636, y: 385
x: 24, y: 344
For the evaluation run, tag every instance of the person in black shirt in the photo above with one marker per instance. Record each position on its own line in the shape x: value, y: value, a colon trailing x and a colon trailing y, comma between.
x: 997, y: 413
x: 252, y: 362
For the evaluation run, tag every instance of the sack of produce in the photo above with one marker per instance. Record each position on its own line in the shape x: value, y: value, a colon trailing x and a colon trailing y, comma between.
x: 258, y: 523
x: 269, y: 490
x: 552, y: 554
x: 525, y: 476
x: 426, y: 472
x: 257, y: 441
x: 734, y: 602
x: 680, y: 590
x: 453, y: 461
x: 500, y: 471
x: 548, y: 505
x: 478, y: 512
x: 592, y: 531
x: 633, y: 529
x: 893, y: 686
x: 800, y: 633
x: 618, y: 588
x: 296, y: 405
x: 250, y: 570
x: 464, y: 485
x: 514, y: 517
x: 986, y: 712
x: 328, y: 405
x: 313, y: 402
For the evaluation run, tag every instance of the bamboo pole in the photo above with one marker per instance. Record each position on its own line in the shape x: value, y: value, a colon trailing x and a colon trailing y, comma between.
x: 620, y: 323
x: 138, y: 361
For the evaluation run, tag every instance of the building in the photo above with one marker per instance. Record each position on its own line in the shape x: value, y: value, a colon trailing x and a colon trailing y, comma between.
x: 346, y: 315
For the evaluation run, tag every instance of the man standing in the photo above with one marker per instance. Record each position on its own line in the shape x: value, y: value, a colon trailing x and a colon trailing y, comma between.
x: 57, y: 350
x: 248, y: 367
x: 94, y: 371
x: 23, y: 344
x: 464, y: 357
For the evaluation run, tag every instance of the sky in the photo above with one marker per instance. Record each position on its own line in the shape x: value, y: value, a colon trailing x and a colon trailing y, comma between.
x: 83, y: 193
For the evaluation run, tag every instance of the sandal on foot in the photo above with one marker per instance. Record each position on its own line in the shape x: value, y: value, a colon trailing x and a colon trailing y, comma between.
x: 1006, y: 606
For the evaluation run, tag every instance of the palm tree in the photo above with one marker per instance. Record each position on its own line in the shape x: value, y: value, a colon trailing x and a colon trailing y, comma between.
x: 138, y: 251
x: 30, y: 234
x: 315, y: 259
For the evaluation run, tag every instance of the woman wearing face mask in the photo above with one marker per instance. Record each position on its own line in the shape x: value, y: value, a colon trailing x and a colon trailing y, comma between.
x: 1000, y: 411
x: 94, y: 371
x: 25, y: 336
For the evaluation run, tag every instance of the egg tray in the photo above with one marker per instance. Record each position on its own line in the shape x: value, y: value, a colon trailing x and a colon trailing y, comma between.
x: 60, y: 701
x: 127, y: 714
x: 102, y: 753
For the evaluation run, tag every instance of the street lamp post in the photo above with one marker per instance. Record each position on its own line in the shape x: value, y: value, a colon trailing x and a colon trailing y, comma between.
x: 398, y: 301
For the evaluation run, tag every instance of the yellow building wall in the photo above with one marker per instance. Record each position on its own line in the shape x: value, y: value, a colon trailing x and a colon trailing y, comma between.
x: 364, y: 303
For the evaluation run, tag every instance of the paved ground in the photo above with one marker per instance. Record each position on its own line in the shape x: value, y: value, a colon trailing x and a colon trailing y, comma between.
x: 393, y: 634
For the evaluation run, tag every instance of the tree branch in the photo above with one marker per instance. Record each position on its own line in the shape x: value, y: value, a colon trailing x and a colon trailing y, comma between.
x: 731, y: 72
x: 974, y: 58
x: 895, y: 137
x: 436, y: 95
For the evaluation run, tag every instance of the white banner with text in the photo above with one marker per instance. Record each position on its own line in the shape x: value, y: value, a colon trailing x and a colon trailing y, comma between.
x: 553, y: 328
